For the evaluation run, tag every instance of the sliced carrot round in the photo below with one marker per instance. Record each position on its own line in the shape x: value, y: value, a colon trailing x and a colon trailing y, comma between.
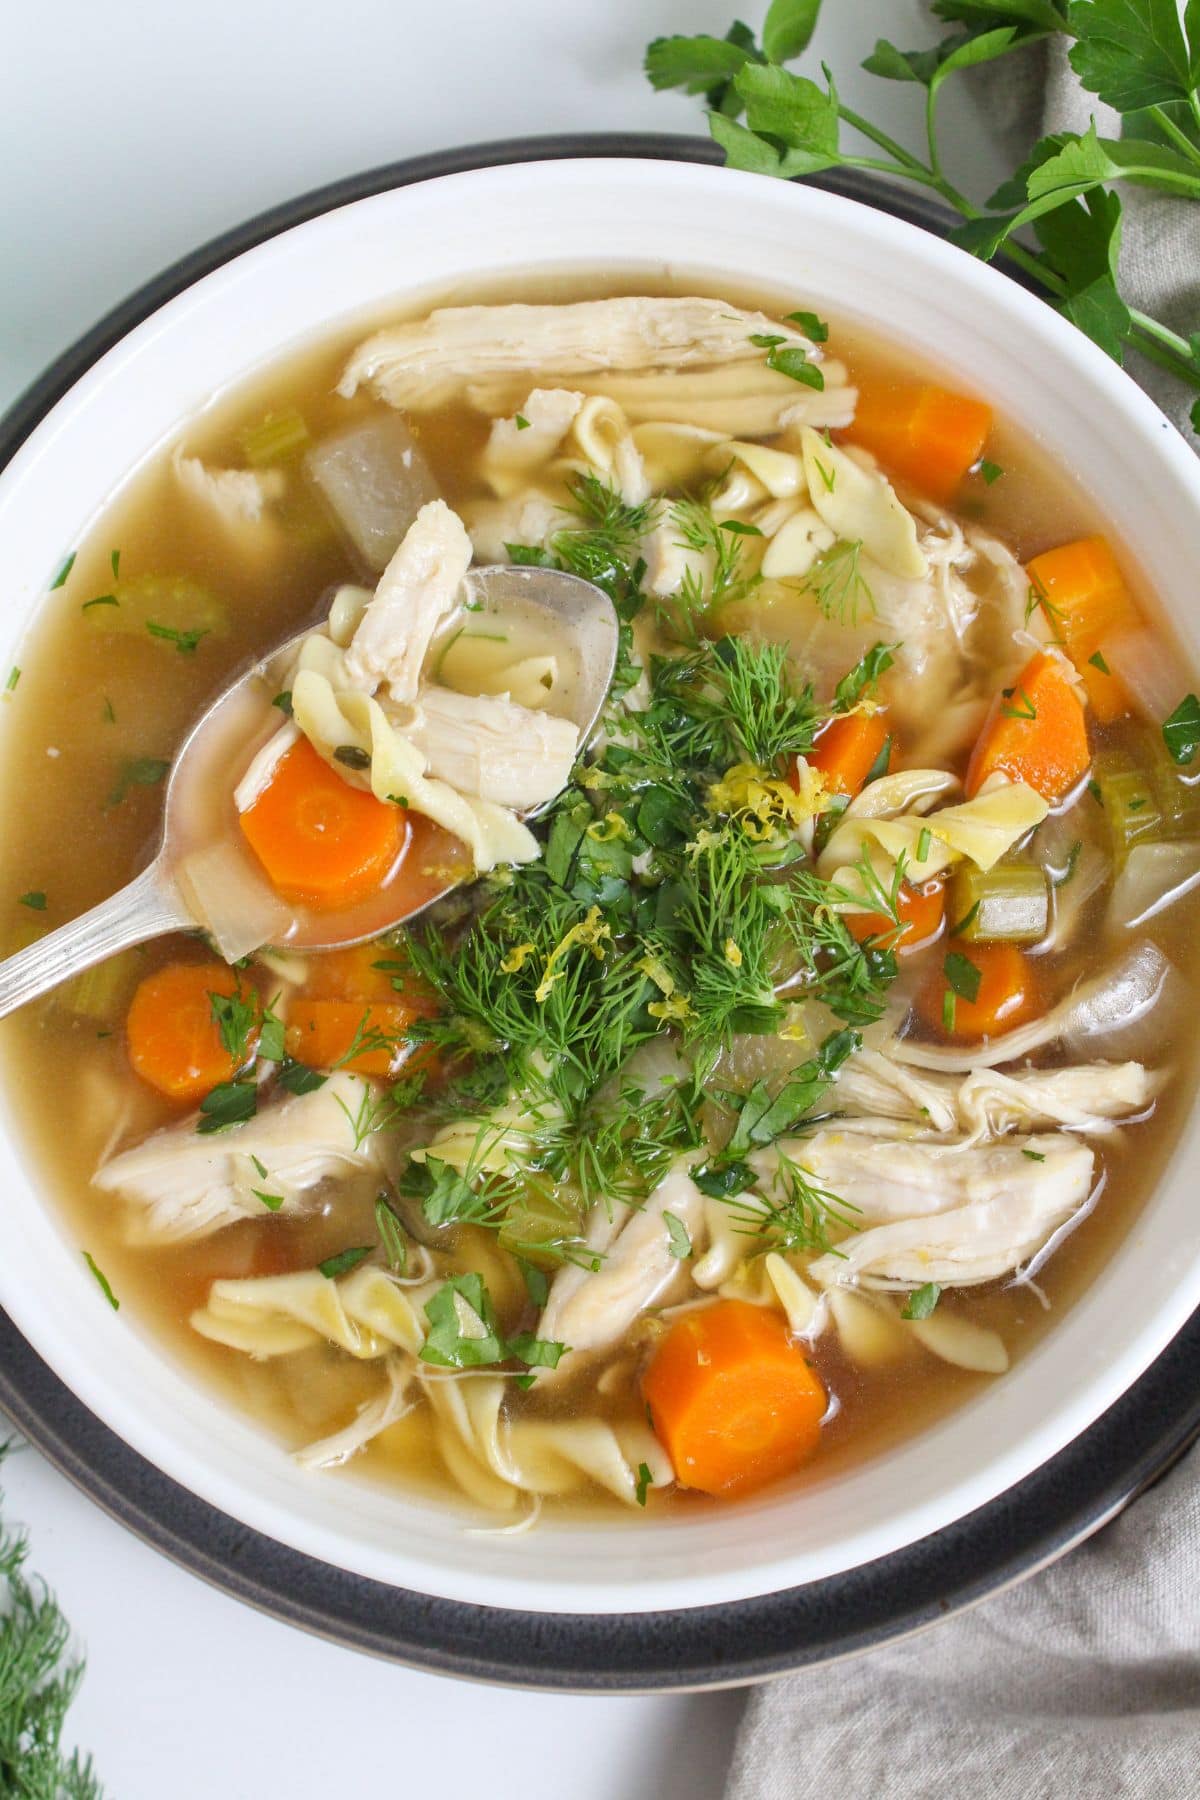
x: 321, y: 841
x: 920, y: 911
x: 1008, y: 994
x: 173, y: 1040
x: 322, y: 1034
x: 733, y: 1399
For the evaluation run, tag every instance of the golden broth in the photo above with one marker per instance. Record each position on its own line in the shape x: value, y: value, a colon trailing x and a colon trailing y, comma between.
x: 95, y: 704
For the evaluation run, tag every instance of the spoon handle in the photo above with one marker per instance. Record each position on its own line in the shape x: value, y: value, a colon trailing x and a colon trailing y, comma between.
x: 147, y: 908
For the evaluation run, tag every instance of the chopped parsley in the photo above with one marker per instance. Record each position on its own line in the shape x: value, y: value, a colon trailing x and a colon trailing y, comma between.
x: 100, y: 600
x: 101, y: 1279
x: 1181, y: 732
x: 14, y: 675
x: 60, y: 580
x: 810, y: 324
x: 522, y: 423
x: 962, y: 975
x: 990, y: 471
x: 392, y: 1236
x: 343, y: 1262
x: 645, y: 1481
x: 184, y: 641
x: 35, y: 899
x: 1097, y: 662
x: 230, y: 1103
x: 143, y: 771
x: 677, y: 1236
x: 921, y: 1301
x: 284, y: 702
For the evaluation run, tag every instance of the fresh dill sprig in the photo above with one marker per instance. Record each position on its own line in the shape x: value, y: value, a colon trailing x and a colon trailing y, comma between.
x: 837, y: 583
x: 796, y: 1213
x: 38, y: 1681
x: 722, y: 543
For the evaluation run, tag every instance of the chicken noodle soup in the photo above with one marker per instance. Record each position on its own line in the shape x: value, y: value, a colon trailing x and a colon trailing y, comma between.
x: 774, y: 1066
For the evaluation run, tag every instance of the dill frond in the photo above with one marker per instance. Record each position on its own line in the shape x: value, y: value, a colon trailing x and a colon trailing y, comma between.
x: 837, y: 583
x: 38, y: 1681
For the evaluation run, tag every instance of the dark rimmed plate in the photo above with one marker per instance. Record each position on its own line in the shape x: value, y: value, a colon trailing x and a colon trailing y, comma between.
x: 742, y: 1641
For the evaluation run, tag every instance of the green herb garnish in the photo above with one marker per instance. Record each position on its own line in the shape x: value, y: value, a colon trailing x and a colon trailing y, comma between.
x: 963, y: 975
x: 1181, y: 732
x: 184, y: 641
x: 343, y: 1262
x: 143, y: 771
x: 921, y: 1301
x: 35, y: 899
x: 101, y: 1279
x: 1136, y: 55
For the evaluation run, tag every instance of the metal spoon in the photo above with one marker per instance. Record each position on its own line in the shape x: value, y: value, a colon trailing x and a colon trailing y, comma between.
x: 153, y: 904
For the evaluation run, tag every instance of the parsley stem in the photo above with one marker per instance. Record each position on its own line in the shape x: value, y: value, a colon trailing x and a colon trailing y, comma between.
x: 1165, y: 340
x: 908, y: 163
x: 931, y: 100
x: 1170, y: 129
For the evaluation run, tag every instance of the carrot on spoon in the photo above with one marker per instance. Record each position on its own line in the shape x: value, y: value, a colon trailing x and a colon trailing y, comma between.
x: 732, y: 1398
x: 320, y: 840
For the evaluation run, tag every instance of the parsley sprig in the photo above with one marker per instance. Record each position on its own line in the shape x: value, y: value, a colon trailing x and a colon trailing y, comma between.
x: 1138, y: 56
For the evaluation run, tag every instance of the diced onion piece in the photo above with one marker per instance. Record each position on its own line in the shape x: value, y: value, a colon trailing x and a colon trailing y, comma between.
x: 376, y: 480
x: 1154, y: 877
x: 1148, y: 670
x: 230, y: 901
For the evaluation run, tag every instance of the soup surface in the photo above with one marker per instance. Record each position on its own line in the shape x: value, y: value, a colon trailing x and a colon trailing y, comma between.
x: 784, y: 1076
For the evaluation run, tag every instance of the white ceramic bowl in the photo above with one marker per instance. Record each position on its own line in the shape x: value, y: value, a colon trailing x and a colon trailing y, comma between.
x: 633, y: 216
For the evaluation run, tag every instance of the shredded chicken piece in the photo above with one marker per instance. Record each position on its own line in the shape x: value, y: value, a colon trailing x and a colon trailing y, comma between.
x: 589, y: 1310
x: 181, y: 1184
x: 886, y: 1178
x: 421, y: 363
x: 1088, y: 1097
x: 235, y: 497
x: 486, y: 744
x: 953, y: 1212
x: 518, y: 445
x: 416, y: 592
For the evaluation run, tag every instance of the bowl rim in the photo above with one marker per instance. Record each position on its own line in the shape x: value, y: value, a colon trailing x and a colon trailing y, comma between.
x: 44, y: 393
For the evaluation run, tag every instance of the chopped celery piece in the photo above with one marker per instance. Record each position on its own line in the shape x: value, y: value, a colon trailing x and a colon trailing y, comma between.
x: 543, y: 1219
x: 1007, y: 904
x: 1146, y: 798
x: 100, y: 992
x: 279, y: 436
x: 1131, y: 804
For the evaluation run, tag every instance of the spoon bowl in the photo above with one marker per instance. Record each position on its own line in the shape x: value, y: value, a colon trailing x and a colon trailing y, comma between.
x: 199, y: 811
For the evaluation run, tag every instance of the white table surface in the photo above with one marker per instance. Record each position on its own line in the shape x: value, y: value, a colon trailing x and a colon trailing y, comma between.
x: 129, y: 134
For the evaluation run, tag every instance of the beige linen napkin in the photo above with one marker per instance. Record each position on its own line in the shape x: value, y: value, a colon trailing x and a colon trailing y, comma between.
x: 1084, y: 1681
